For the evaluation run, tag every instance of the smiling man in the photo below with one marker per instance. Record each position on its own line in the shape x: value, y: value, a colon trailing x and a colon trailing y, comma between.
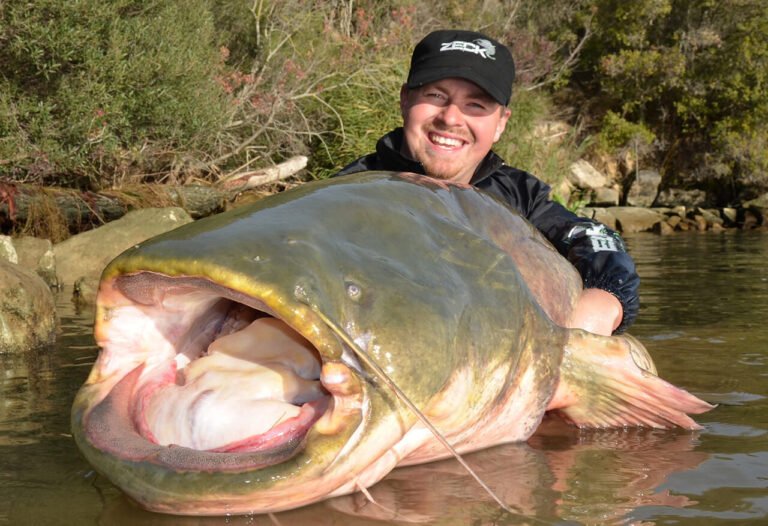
x: 454, y: 108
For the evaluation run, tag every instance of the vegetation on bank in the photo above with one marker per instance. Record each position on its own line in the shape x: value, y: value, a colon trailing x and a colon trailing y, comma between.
x: 98, y: 95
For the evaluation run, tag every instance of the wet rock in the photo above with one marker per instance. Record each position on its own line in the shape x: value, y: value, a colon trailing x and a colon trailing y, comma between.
x: 675, y: 197
x: 711, y: 216
x: 674, y: 221
x: 665, y: 227
x: 27, y: 310
x: 679, y: 210
x: 634, y: 219
x: 644, y: 189
x: 37, y: 254
x: 701, y: 223
x: 585, y: 176
x: 85, y: 255
x: 84, y: 291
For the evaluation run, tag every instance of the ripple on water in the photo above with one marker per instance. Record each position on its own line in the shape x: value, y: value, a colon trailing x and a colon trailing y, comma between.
x: 733, y: 430
x: 746, y: 470
x: 733, y: 398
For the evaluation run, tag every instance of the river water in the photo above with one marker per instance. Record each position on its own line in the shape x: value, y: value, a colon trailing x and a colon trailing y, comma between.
x: 704, y: 318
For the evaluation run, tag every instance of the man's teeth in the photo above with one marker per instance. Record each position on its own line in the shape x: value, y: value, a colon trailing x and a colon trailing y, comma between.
x: 445, y: 141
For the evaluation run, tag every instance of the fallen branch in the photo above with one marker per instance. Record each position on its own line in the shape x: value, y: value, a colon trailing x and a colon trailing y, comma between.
x: 252, y: 179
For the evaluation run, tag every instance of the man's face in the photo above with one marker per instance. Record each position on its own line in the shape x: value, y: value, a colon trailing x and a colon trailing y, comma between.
x: 450, y: 125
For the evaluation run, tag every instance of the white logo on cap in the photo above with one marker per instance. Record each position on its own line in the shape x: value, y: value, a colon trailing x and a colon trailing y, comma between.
x: 480, y: 47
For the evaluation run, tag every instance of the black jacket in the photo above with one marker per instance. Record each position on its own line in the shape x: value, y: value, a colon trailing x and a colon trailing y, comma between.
x: 597, y: 252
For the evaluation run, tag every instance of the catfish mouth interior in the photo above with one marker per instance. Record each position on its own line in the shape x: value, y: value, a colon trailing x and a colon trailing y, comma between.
x: 220, y: 372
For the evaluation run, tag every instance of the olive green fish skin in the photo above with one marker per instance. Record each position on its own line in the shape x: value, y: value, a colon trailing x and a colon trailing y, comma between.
x: 433, y: 280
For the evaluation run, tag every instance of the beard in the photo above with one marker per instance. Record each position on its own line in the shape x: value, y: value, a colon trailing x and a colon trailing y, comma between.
x: 441, y: 169
x: 438, y: 166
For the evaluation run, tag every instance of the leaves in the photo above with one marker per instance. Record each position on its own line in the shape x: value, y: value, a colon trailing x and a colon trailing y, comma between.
x: 694, y: 73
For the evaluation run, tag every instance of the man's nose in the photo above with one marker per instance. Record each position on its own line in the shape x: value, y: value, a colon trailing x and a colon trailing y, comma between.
x: 451, y: 114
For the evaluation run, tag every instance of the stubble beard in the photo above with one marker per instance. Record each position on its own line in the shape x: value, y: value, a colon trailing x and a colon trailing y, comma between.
x: 440, y: 168
x: 439, y: 171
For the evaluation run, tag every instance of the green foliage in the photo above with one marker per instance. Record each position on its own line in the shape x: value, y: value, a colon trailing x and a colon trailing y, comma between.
x: 694, y: 73
x: 616, y: 134
x: 94, y: 93
x: 742, y: 156
x: 322, y: 83
x: 88, y: 85
x: 367, y: 107
x: 641, y: 78
x: 527, y: 145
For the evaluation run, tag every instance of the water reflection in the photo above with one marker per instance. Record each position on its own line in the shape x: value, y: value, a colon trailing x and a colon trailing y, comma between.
x: 26, y: 387
x: 715, y: 281
x: 562, y: 475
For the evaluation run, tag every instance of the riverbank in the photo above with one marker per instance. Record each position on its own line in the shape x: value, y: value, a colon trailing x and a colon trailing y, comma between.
x: 637, y: 203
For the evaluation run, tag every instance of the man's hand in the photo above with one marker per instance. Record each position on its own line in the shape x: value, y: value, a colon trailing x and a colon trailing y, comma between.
x: 596, y: 311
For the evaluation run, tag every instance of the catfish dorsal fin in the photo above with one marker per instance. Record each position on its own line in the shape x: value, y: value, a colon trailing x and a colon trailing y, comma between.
x: 612, y: 382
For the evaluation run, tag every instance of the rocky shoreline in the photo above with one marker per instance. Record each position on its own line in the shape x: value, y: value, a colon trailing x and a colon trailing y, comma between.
x: 31, y: 269
x: 639, y: 205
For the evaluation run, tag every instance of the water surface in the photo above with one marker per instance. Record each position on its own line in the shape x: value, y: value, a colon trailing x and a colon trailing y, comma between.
x: 704, y: 318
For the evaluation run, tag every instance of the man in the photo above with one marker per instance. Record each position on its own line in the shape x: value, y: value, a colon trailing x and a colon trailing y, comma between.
x: 454, y: 108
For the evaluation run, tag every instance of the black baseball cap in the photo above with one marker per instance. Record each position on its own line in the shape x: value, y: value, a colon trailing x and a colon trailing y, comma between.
x: 464, y: 54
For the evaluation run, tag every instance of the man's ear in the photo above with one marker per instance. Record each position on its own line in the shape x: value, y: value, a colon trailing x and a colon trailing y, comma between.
x: 502, y: 124
x: 403, y: 100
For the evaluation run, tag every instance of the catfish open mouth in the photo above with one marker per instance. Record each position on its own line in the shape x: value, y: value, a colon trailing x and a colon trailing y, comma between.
x: 209, y: 371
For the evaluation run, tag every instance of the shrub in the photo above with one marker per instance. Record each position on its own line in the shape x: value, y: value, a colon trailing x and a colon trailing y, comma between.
x: 523, y: 144
x: 118, y: 87
x: 618, y: 134
x: 695, y: 74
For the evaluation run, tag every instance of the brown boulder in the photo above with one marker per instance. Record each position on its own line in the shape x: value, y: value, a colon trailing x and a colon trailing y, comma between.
x: 27, y: 310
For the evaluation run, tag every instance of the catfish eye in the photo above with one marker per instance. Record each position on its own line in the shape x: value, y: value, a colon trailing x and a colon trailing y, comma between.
x: 354, y: 291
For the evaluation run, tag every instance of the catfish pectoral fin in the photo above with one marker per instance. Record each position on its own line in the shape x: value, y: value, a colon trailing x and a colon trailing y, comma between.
x: 611, y: 382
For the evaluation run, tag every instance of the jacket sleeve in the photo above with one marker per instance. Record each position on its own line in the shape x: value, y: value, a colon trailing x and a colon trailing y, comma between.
x: 597, y: 252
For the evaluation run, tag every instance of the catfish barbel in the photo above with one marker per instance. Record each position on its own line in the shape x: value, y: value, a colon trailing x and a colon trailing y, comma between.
x: 249, y: 361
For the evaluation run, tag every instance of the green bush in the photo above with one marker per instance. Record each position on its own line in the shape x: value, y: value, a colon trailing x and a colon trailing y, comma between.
x: 692, y: 72
x: 525, y: 144
x: 367, y: 107
x: 618, y: 134
x: 117, y: 88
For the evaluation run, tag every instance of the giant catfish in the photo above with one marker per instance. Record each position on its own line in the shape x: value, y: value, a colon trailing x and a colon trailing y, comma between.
x: 304, y: 346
